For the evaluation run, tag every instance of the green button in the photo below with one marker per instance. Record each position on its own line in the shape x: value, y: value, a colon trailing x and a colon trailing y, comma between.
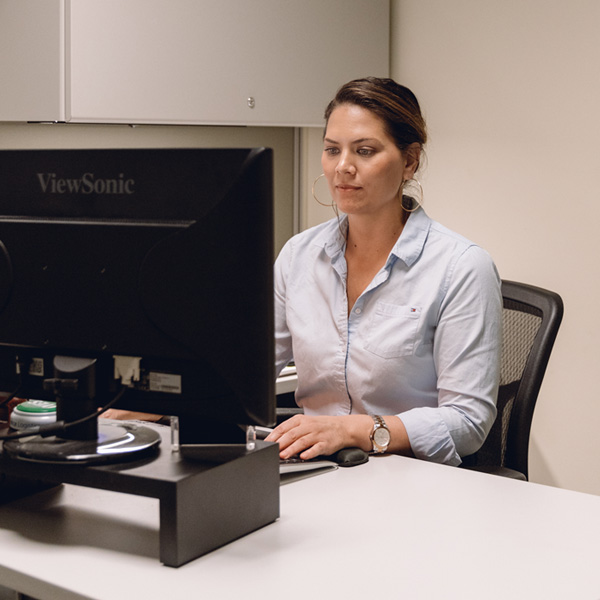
x: 36, y: 406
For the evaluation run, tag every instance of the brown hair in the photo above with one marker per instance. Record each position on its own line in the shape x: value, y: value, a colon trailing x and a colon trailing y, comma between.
x: 393, y: 103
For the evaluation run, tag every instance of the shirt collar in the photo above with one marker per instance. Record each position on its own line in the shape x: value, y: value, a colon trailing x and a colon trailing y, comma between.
x: 408, y: 248
x: 333, y: 238
x: 410, y: 244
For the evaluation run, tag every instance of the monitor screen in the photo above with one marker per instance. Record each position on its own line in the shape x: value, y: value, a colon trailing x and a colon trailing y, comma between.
x: 155, y: 264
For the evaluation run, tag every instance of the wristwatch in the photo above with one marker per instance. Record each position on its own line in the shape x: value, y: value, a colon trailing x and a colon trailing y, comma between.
x: 380, y: 436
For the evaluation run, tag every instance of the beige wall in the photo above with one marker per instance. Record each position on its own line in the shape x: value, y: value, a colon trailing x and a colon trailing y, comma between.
x: 311, y: 211
x: 511, y: 92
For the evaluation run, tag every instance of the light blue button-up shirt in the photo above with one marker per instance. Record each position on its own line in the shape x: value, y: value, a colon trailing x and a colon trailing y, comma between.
x: 422, y: 341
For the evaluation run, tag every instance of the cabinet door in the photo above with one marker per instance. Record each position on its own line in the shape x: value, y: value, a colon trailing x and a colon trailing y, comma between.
x: 246, y: 62
x: 32, y: 60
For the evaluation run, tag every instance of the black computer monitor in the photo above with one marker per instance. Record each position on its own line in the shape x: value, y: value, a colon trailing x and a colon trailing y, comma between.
x: 152, y: 268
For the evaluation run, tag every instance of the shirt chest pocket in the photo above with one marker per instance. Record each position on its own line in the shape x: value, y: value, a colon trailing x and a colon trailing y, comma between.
x: 391, y: 331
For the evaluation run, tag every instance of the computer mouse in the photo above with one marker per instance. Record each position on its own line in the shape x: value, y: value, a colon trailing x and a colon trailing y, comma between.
x: 350, y: 457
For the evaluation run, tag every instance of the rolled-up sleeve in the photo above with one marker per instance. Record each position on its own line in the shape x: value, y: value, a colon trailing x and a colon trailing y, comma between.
x: 466, y: 351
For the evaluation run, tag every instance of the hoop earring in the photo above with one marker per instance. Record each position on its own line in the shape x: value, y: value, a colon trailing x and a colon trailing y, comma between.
x: 409, y: 203
x: 315, y: 195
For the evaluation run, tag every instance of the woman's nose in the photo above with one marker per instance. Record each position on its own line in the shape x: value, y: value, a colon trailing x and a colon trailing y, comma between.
x: 345, y: 165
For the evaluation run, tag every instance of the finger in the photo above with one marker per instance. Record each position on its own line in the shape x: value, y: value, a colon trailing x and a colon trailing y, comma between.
x: 286, y: 446
x: 274, y: 436
x: 300, y: 445
x: 283, y: 428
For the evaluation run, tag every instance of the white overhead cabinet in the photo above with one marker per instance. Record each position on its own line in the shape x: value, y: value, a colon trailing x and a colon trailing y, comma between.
x: 218, y: 62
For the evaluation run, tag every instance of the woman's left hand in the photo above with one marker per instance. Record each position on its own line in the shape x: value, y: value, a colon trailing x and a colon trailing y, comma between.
x: 124, y: 415
x: 310, y: 437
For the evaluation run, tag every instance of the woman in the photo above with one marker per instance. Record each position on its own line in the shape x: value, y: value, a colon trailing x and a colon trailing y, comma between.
x: 393, y: 321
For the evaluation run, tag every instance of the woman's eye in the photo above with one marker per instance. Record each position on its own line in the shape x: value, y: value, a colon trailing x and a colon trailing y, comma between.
x: 365, y: 151
x: 331, y: 151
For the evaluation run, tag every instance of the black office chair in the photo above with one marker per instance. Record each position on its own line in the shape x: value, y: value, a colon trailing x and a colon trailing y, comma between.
x: 531, y: 319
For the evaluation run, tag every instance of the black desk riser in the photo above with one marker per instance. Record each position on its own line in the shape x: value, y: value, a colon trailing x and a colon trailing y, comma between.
x: 203, y: 505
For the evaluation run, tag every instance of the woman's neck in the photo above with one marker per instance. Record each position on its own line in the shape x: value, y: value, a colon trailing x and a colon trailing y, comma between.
x: 372, y: 237
x: 368, y: 245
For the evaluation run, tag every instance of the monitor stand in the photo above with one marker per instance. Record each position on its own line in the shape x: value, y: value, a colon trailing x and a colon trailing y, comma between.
x: 203, y: 504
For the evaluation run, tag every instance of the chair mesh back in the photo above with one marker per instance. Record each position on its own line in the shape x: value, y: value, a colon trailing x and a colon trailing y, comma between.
x: 521, y: 323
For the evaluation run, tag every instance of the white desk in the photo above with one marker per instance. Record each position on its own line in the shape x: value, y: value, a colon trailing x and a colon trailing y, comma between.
x: 393, y: 528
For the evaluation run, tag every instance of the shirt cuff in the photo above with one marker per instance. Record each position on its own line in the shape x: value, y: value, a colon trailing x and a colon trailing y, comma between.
x: 429, y: 436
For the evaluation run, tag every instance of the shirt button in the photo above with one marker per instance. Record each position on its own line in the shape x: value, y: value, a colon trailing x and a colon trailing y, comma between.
x: 357, y: 311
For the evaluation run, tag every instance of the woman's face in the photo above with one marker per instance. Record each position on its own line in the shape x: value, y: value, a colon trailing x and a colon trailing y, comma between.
x: 362, y: 163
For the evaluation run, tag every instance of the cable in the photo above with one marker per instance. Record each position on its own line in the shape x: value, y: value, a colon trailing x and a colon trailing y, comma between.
x: 11, y: 396
x: 43, y: 430
x: 53, y: 428
x: 23, y: 368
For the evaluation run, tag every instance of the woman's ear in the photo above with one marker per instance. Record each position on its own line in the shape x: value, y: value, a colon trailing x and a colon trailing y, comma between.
x: 413, y: 156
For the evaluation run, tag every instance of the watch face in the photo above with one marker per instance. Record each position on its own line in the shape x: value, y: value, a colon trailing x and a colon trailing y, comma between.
x: 381, y: 436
